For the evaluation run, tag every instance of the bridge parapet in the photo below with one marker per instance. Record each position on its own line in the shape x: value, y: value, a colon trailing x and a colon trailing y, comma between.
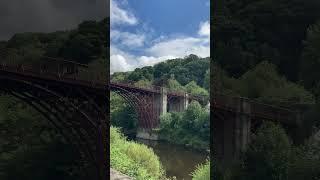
x: 51, y: 68
x: 255, y: 109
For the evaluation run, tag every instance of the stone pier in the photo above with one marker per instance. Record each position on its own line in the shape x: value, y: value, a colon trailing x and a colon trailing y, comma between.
x: 162, y: 106
x: 232, y: 133
x: 179, y: 104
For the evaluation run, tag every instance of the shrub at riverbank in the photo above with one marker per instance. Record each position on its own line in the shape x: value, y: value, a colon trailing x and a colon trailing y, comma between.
x: 133, y: 159
x: 202, y: 172
x: 272, y: 156
x: 191, y: 127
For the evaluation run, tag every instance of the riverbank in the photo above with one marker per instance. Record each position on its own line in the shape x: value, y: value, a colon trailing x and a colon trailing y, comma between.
x: 116, y: 175
x: 177, y: 160
x: 133, y: 159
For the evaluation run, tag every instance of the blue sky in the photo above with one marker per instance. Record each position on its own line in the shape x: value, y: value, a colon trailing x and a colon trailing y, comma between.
x: 145, y: 32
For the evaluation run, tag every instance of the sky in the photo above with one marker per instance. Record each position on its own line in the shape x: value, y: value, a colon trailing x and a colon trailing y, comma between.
x: 18, y: 16
x: 145, y: 32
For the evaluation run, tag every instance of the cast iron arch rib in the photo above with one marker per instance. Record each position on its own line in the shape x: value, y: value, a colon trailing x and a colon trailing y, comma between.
x: 91, y: 126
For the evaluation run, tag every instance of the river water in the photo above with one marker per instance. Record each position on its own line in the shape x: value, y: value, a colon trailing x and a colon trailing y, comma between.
x: 178, y: 161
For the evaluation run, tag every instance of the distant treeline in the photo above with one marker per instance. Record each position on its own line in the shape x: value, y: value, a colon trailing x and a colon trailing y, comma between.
x: 189, y: 74
x: 284, y: 33
x: 86, y: 43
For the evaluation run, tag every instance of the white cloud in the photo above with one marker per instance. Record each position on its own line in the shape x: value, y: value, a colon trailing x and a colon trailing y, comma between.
x: 180, y: 47
x: 120, y: 61
x: 161, y: 51
x: 151, y: 60
x: 162, y: 48
x: 121, y: 16
x: 204, y: 29
x: 128, y: 39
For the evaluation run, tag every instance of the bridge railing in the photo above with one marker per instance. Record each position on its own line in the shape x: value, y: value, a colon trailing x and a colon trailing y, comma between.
x: 134, y: 84
x: 257, y: 109
x: 53, y: 68
x: 146, y: 87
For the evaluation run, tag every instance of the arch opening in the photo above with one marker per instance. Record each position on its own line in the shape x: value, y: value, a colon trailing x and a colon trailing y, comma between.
x: 73, y: 136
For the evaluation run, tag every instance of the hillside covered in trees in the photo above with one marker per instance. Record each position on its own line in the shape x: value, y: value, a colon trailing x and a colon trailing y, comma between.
x: 268, y: 51
x: 189, y: 74
x: 30, y: 147
x: 85, y: 44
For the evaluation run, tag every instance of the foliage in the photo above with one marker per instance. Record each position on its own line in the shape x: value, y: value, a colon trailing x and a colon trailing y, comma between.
x: 249, y: 32
x: 84, y: 44
x: 265, y: 84
x: 268, y: 156
x: 306, y: 161
x: 119, y: 76
x: 183, y: 70
x: 270, y: 86
x: 191, y: 127
x: 174, y: 85
x: 310, y: 62
x: 143, y: 83
x: 202, y: 172
x: 269, y: 153
x: 271, y: 156
x: 206, y: 83
x: 194, y: 89
x: 30, y: 148
x: 133, y: 159
x: 141, y: 73
x: 122, y: 114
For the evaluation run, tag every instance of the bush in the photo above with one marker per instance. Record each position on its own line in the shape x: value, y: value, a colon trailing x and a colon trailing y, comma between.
x: 267, y: 156
x: 135, y: 160
x: 306, y: 161
x: 202, y: 172
x: 191, y: 127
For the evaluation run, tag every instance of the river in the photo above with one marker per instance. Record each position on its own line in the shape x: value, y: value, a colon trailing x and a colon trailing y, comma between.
x: 178, y: 161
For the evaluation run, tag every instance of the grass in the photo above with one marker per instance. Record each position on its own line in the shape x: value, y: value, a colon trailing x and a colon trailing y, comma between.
x: 133, y: 159
x: 202, y: 172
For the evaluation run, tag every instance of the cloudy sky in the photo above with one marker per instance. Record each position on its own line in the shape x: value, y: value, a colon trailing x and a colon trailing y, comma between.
x: 145, y: 32
x: 18, y: 16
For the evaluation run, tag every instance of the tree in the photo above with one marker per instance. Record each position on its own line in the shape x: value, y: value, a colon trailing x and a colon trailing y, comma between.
x: 85, y: 44
x: 194, y: 89
x: 143, y: 83
x: 174, y: 85
x: 31, y: 148
x: 265, y: 84
x: 268, y: 155
x: 206, y: 83
x: 310, y: 62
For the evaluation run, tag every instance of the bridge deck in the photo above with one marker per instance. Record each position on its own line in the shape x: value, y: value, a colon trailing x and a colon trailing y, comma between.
x: 62, y: 71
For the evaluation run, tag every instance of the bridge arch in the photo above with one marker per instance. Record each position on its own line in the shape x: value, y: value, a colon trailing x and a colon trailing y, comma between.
x: 81, y: 133
x: 138, y: 103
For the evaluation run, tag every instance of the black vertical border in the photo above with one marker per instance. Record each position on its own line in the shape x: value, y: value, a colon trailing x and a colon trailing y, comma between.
x: 216, y: 7
x: 108, y: 90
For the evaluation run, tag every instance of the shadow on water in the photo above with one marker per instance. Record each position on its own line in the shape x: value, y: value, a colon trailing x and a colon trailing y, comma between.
x: 177, y: 160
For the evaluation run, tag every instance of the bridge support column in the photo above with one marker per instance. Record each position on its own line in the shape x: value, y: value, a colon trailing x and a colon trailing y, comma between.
x: 163, y: 99
x: 185, y: 101
x: 160, y: 108
x: 179, y: 104
x: 232, y: 134
x: 242, y: 128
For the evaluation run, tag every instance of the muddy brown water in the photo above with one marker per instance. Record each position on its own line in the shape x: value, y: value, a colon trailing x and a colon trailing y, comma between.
x: 177, y: 160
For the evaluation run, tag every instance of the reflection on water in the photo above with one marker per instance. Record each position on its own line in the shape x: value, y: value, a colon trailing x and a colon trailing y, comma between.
x: 177, y: 160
